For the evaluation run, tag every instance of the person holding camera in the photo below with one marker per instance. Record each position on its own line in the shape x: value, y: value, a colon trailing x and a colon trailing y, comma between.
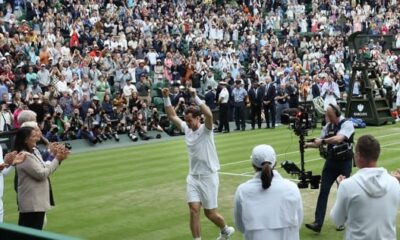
x: 202, y: 180
x: 268, y: 206
x: 368, y: 201
x: 53, y: 135
x: 87, y: 130
x: 75, y: 123
x: 336, y: 146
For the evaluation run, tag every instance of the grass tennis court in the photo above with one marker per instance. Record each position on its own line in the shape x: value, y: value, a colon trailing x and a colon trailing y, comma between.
x: 138, y: 192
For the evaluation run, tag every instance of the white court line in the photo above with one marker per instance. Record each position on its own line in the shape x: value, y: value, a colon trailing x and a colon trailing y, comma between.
x: 236, y: 174
x: 250, y: 175
x: 391, y: 149
x: 242, y: 161
x: 247, y: 174
x: 283, y: 154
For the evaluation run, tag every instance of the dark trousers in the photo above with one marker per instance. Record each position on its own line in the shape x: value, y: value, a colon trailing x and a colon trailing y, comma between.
x: 223, y: 117
x: 240, y: 115
x: 332, y: 169
x: 255, y: 113
x: 31, y: 219
x: 269, y: 112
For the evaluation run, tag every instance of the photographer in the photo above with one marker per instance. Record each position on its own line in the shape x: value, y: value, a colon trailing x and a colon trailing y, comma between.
x: 47, y: 123
x: 53, y: 135
x: 87, y: 130
x: 106, y: 126
x: 336, y: 146
x: 138, y: 126
x: 75, y: 123
x: 154, y: 123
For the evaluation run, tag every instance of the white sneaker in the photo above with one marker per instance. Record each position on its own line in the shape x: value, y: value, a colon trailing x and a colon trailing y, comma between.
x: 226, y: 233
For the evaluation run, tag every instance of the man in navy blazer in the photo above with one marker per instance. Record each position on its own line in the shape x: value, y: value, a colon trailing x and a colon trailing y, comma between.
x: 256, y: 95
x: 269, y: 102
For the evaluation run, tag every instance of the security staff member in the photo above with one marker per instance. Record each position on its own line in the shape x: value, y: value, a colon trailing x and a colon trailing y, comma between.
x: 239, y: 97
x: 335, y: 145
x: 223, y: 99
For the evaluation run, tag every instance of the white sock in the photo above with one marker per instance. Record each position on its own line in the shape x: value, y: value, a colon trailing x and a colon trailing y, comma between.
x: 198, y: 238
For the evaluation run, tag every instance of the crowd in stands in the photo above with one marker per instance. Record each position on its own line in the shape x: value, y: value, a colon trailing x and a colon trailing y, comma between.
x: 93, y: 69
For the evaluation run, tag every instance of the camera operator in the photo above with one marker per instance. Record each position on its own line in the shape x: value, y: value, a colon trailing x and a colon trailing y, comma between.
x: 336, y: 146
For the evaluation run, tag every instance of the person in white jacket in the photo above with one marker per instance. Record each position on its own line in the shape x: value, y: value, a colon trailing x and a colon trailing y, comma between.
x: 368, y: 201
x: 6, y: 165
x: 268, y: 206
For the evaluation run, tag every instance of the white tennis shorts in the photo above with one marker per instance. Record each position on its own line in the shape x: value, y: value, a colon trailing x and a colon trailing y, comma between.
x: 203, y: 189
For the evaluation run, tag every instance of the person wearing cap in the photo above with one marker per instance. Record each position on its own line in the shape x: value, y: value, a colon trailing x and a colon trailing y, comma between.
x: 268, y: 206
x: 223, y: 99
x: 202, y: 180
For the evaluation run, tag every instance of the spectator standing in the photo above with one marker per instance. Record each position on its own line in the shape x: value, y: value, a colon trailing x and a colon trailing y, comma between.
x: 330, y: 92
x: 368, y: 201
x: 33, y: 184
x: 240, y: 99
x: 256, y: 95
x: 6, y: 165
x: 269, y: 103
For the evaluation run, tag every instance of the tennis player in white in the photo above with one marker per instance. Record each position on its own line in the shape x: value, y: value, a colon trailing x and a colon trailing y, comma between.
x: 202, y: 180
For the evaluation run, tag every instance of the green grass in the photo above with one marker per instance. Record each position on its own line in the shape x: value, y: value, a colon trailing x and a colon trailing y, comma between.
x: 138, y: 192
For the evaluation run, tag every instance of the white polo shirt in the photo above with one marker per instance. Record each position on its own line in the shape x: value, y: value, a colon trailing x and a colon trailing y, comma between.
x: 203, y: 158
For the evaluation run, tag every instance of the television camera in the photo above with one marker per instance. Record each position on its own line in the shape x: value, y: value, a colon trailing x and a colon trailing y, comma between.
x: 301, y: 120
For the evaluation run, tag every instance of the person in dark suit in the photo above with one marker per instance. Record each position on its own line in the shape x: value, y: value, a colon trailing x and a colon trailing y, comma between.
x: 315, y: 89
x: 269, y: 103
x: 210, y: 97
x: 256, y: 95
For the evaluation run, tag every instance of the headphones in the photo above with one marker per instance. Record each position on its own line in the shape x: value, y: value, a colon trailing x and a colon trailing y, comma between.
x: 336, y: 110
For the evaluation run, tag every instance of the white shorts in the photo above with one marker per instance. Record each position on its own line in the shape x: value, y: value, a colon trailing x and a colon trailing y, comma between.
x: 203, y: 189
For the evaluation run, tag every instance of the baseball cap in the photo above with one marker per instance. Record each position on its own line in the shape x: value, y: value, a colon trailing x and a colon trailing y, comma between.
x: 263, y: 153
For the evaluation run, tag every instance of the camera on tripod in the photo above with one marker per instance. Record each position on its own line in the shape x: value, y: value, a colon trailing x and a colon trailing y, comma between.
x: 301, y: 120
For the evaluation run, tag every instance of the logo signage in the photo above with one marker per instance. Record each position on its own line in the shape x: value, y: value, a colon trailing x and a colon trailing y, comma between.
x: 360, y: 109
